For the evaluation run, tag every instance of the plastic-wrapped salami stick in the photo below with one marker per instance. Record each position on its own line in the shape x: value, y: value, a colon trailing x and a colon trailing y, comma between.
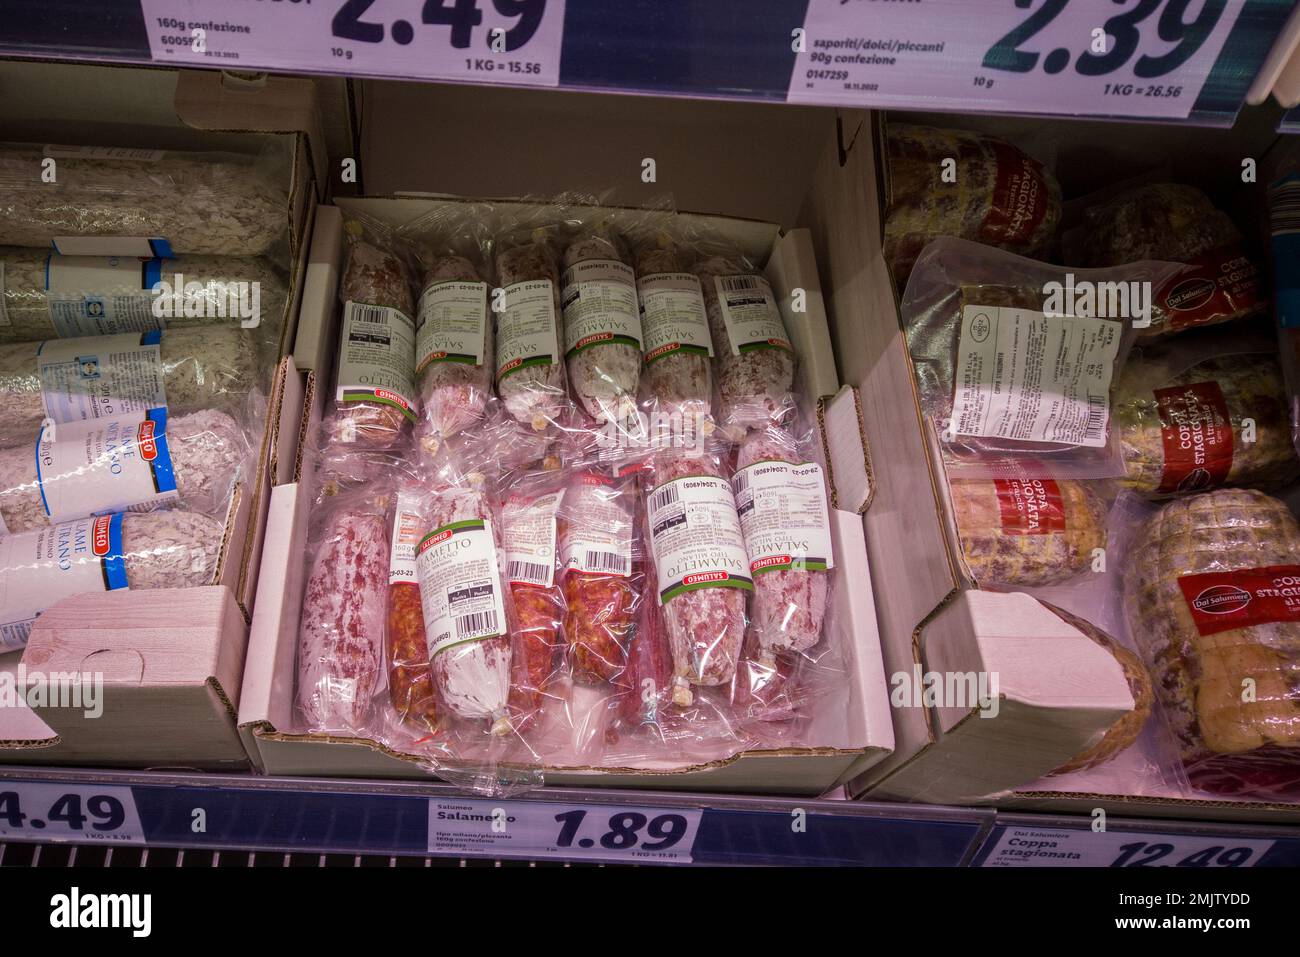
x: 602, y: 589
x: 529, y: 368
x: 341, y: 635
x: 468, y: 611
x: 677, y: 379
x: 410, y: 676
x: 375, y: 396
x: 602, y: 326
x: 754, y: 357
x: 164, y: 549
x: 138, y: 462
x: 702, y: 567
x: 646, y: 683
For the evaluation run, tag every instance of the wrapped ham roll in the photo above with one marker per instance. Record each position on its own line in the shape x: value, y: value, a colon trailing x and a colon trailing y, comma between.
x: 529, y: 370
x: 701, y: 565
x: 602, y: 326
x: 468, y: 611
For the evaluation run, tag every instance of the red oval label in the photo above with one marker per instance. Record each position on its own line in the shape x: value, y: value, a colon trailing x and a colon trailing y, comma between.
x: 1190, y: 294
x: 1221, y: 600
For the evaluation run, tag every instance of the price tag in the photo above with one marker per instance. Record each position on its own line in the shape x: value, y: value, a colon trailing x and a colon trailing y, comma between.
x: 1127, y: 58
x: 62, y: 812
x: 513, y: 42
x: 525, y: 829
x: 1040, y: 847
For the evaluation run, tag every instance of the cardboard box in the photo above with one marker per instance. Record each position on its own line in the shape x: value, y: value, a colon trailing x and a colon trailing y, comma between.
x: 852, y: 733
x: 171, y: 661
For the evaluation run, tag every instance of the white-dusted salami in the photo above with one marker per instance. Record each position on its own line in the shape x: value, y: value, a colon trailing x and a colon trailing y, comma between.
x: 529, y: 341
x: 677, y: 378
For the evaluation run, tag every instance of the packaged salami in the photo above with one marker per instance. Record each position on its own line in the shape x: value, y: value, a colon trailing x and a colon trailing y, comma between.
x: 1210, y: 598
x: 164, y: 549
x: 1205, y: 409
x: 406, y: 647
x: 375, y: 398
x: 45, y: 295
x: 1171, y: 222
x: 1016, y: 361
x: 966, y: 185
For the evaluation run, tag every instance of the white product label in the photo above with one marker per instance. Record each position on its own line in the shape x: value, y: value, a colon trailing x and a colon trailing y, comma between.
x: 408, y: 529
x: 600, y: 305
x: 535, y: 829
x: 696, y: 538
x: 597, y: 536
x: 1066, y: 847
x: 377, y: 358
x: 452, y: 324
x: 101, y: 376
x: 137, y: 247
x: 460, y: 584
x: 528, y: 539
x: 1022, y: 375
x: 673, y: 319
x: 105, y: 465
x: 750, y: 313
x: 44, y: 566
x: 784, y: 516
x: 4, y: 309
x: 103, y: 152
x: 526, y: 330
x: 101, y: 295
x: 84, y: 813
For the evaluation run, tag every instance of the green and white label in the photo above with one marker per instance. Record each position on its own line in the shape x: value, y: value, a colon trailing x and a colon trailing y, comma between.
x: 784, y: 516
x: 673, y: 320
x: 695, y: 536
x: 750, y: 313
x: 460, y: 584
x: 526, y: 330
x: 600, y: 305
x: 452, y: 323
x: 377, y: 357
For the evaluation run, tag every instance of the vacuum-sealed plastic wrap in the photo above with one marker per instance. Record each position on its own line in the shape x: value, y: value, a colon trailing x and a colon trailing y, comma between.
x: 602, y: 578
x: 344, y: 607
x: 75, y: 380
x: 701, y: 565
x: 468, y: 611
x: 375, y: 398
x: 753, y: 355
x: 530, y: 375
x: 996, y: 194
x: 602, y: 325
x: 45, y: 296
x: 1210, y: 598
x: 163, y: 549
x: 1172, y: 222
x: 1027, y: 531
x: 406, y: 647
x: 223, y: 204
x: 677, y: 380
x: 1015, y: 360
x: 1205, y: 409
x: 136, y: 462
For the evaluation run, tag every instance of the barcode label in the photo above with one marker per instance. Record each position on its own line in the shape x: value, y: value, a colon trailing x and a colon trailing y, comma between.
x: 528, y: 573
x: 740, y: 481
x: 611, y: 563
x: 475, y: 625
x: 362, y: 312
x: 668, y: 495
x: 1098, y: 407
x: 1284, y: 207
x: 740, y: 283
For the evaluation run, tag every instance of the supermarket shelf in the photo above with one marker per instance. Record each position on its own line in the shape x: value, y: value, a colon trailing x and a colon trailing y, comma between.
x: 728, y: 49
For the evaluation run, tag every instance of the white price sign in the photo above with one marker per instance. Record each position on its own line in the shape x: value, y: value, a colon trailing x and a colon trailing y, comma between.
x: 1040, y: 847
x: 62, y: 812
x: 514, y: 42
x: 527, y: 829
x: 1126, y: 58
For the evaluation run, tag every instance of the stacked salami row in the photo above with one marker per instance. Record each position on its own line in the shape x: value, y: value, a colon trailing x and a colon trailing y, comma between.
x: 590, y: 529
x: 140, y: 315
x: 1113, y: 423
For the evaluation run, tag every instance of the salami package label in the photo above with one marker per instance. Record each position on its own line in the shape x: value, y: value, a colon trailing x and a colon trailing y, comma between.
x: 1022, y: 375
x: 673, y: 317
x: 44, y: 566
x: 1196, y: 432
x: 750, y: 313
x: 1223, y: 282
x: 527, y: 334
x: 101, y: 376
x: 1030, y: 506
x: 408, y: 529
x: 452, y: 323
x: 1020, y: 198
x: 70, y: 466
x: 784, y: 516
x: 101, y: 295
x: 599, y: 300
x: 597, y: 535
x: 528, y: 539
x: 377, y: 357
x: 460, y: 584
x: 1222, y: 601
x: 696, y: 537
